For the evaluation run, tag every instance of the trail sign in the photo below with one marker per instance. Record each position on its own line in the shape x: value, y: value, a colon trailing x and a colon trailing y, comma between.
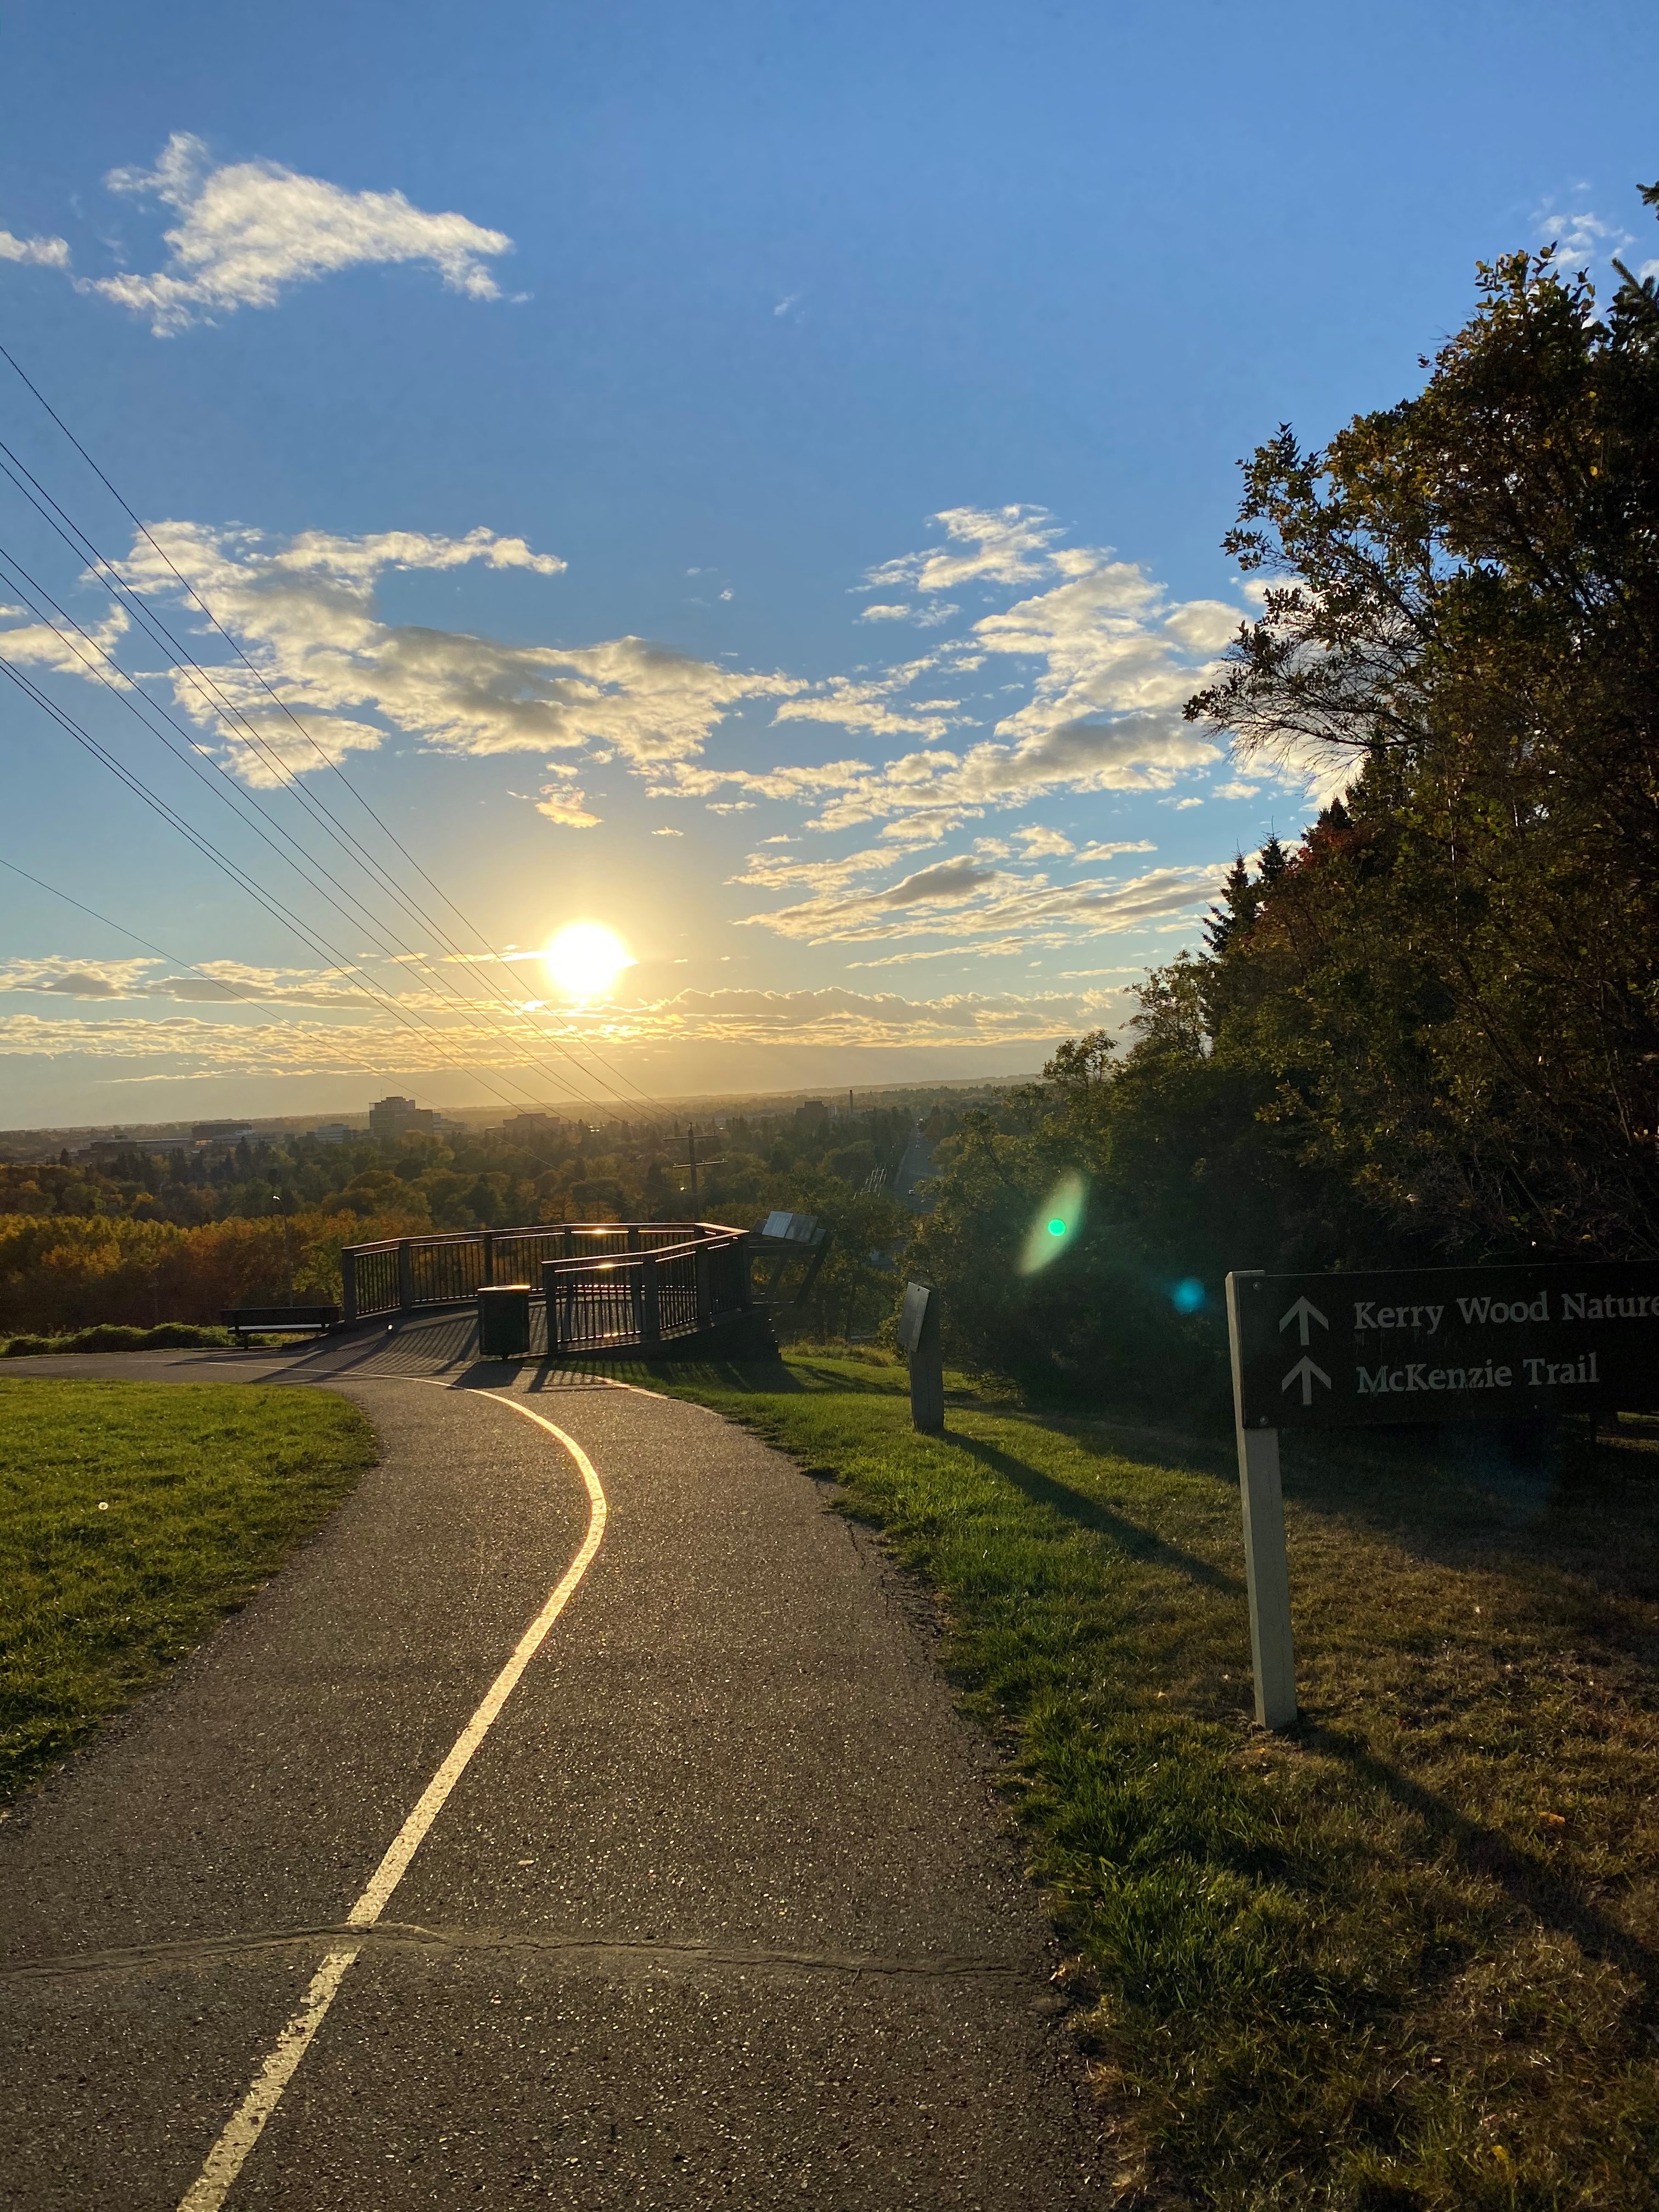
x: 1333, y: 1351
x: 1436, y: 1343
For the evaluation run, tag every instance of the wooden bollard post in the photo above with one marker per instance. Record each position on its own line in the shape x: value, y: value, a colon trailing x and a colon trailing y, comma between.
x: 919, y: 1340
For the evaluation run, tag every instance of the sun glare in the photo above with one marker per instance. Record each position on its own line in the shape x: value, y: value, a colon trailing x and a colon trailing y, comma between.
x: 1055, y: 1226
x: 584, y: 960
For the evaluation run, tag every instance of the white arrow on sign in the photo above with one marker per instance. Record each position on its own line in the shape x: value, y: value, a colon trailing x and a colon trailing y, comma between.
x: 1304, y: 1313
x: 1308, y: 1375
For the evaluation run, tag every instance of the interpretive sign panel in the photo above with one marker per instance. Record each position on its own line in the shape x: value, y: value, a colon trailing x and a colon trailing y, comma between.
x: 1433, y: 1344
x: 913, y: 1316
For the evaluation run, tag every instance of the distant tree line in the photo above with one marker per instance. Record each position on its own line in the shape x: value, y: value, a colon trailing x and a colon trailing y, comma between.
x: 140, y: 1238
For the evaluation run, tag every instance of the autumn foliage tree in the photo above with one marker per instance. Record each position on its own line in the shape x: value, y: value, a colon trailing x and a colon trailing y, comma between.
x: 1428, y: 1030
x: 1455, y: 980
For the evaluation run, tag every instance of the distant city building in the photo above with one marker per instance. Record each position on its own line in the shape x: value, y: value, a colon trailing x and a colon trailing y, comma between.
x: 390, y: 1118
x: 813, y: 1114
x: 333, y: 1132
x: 107, y: 1148
x: 530, y: 1128
x: 220, y: 1132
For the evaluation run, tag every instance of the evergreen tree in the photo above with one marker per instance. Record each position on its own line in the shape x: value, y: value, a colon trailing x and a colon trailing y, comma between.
x: 1236, y: 910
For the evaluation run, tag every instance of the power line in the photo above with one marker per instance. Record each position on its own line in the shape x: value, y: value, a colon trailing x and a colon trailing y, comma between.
x: 231, y: 794
x: 219, y: 983
x: 315, y: 944
x: 129, y: 601
x: 260, y: 679
x: 129, y: 691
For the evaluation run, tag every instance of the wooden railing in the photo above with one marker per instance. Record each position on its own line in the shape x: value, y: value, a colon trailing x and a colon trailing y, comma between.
x: 605, y: 1285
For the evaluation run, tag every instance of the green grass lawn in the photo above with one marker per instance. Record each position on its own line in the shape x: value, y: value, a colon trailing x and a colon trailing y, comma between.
x: 133, y: 1516
x: 1406, y: 1955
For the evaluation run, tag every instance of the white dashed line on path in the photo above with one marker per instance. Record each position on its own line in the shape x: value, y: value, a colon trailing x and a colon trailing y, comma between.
x: 241, y: 2131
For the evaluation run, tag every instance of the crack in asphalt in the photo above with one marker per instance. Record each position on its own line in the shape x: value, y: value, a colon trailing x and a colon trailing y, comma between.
x: 627, y: 1960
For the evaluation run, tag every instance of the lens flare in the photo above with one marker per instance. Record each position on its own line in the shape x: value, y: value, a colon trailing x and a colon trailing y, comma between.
x: 1055, y: 1226
x: 584, y: 960
x: 1187, y: 1296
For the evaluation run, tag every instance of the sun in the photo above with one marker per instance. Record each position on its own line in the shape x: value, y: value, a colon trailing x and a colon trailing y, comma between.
x: 585, y: 959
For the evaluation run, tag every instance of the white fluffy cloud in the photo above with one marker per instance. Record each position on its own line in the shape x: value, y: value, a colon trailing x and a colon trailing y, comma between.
x: 42, y: 252
x: 249, y: 231
x: 304, y: 611
x: 1041, y: 842
x: 42, y: 645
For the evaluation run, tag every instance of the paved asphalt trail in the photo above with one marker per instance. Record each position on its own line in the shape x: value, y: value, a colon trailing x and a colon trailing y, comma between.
x: 723, y: 1912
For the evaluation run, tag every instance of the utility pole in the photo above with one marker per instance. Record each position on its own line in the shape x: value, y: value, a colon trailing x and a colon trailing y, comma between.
x: 288, y: 1250
x: 691, y: 1160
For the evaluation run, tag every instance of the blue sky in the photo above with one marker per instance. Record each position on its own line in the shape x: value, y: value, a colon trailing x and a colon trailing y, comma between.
x: 748, y: 477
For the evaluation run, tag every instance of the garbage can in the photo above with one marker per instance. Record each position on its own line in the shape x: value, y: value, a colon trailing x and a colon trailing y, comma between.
x: 504, y: 1320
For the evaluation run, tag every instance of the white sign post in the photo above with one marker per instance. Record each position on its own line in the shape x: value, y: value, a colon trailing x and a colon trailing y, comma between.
x: 1266, y: 1570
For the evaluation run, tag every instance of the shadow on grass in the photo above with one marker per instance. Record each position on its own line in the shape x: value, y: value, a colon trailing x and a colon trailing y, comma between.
x: 1529, y: 1879
x: 1087, y: 1512
x: 1466, y: 1500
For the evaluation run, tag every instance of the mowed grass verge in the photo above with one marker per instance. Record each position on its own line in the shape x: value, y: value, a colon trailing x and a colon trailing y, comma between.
x: 133, y: 1516
x: 1405, y: 1956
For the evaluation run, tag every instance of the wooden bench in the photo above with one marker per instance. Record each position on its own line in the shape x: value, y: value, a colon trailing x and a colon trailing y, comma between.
x: 280, y: 1321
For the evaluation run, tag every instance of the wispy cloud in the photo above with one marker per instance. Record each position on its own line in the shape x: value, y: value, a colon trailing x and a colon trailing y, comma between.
x: 169, y: 1047
x: 566, y: 805
x: 218, y: 982
x: 42, y: 252
x: 972, y: 898
x: 1585, y: 240
x: 865, y: 703
x: 994, y: 545
x: 927, y: 617
x: 250, y: 231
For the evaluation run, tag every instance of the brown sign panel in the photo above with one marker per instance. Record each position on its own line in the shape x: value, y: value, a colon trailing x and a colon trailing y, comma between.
x: 913, y: 1316
x: 1434, y: 1344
